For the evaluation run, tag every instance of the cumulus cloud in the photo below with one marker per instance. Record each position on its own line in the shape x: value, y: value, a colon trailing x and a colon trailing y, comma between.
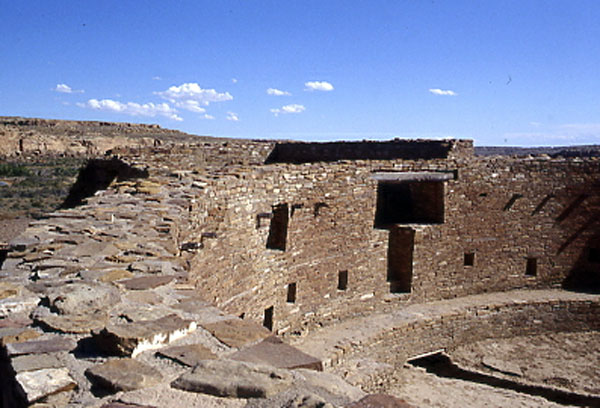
x: 131, y: 108
x: 293, y: 108
x: 318, y: 86
x: 232, y: 116
x: 444, y: 92
x: 277, y: 92
x: 64, y: 88
x: 190, y: 96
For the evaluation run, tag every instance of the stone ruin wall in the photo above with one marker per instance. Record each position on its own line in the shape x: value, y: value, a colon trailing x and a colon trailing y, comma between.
x: 330, y: 229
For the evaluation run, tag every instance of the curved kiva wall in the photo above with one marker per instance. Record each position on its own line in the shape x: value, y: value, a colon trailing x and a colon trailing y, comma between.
x: 414, y: 337
x: 286, y: 236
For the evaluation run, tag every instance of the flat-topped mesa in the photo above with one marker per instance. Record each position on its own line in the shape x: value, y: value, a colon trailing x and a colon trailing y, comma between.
x: 397, y: 149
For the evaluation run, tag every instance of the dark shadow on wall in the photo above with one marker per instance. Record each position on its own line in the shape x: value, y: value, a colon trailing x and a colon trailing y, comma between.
x: 97, y: 175
x: 585, y: 274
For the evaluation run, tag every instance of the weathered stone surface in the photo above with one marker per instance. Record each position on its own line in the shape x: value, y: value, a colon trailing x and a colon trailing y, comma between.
x: 233, y: 379
x: 18, y: 304
x: 502, y: 366
x: 115, y: 274
x: 8, y: 290
x: 308, y: 401
x: 40, y: 383
x: 274, y: 352
x: 74, y: 323
x: 123, y: 405
x: 18, y: 336
x: 78, y: 298
x: 131, y: 339
x: 40, y: 346
x: 123, y: 375
x: 34, y: 362
x: 164, y: 396
x: 379, y: 401
x: 145, y: 297
x: 15, y: 322
x: 237, y: 332
x: 146, y: 282
x: 189, y: 355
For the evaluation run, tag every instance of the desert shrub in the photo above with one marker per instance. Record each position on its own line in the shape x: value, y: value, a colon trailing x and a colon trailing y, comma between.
x: 13, y: 170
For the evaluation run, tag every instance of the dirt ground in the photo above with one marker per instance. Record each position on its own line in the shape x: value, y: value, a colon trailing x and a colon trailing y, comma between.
x: 11, y: 228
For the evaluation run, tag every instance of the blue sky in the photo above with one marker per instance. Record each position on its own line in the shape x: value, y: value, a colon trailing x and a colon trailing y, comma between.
x: 500, y: 72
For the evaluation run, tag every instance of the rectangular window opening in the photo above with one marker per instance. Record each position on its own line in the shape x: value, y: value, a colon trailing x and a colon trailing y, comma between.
x: 291, y: 293
x: 278, y: 229
x: 268, y: 320
x: 531, y: 268
x: 469, y: 258
x: 415, y: 202
x: 342, y: 280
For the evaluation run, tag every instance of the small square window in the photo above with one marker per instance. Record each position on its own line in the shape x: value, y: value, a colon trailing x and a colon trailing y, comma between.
x: 342, y: 280
x: 594, y: 255
x: 469, y: 258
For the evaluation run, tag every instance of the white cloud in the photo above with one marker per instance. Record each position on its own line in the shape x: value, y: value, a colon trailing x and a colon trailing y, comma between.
x: 234, y: 80
x: 131, y: 108
x: 233, y: 116
x: 564, y: 134
x: 207, y: 116
x: 277, y: 92
x: 444, y: 92
x: 293, y: 108
x: 190, y: 96
x: 156, y: 78
x: 64, y: 88
x: 191, y: 105
x: 318, y: 86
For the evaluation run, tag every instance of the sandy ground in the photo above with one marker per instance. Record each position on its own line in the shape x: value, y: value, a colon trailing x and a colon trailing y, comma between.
x: 11, y: 228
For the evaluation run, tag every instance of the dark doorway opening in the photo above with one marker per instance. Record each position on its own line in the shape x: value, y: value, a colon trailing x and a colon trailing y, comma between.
x: 279, y: 226
x: 531, y: 267
x: 400, y: 259
x: 3, y: 255
x: 415, y: 202
x: 268, y: 320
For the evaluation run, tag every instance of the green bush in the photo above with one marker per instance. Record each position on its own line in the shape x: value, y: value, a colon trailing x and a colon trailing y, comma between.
x: 13, y: 170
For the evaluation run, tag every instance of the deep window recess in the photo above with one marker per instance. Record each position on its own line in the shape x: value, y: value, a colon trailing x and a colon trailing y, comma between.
x: 400, y: 259
x: 469, y: 258
x: 593, y: 255
x: 531, y: 267
x: 291, y: 293
x: 412, y: 202
x: 268, y: 320
x: 3, y: 255
x: 342, y: 280
x: 279, y: 226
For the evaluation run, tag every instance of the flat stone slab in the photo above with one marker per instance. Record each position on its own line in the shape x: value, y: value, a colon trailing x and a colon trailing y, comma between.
x: 41, y: 383
x: 8, y: 290
x: 18, y: 304
x: 237, y: 332
x: 146, y: 282
x: 17, y: 335
x: 15, y: 322
x: 274, y: 352
x: 40, y: 346
x: 33, y: 362
x: 123, y: 405
x: 379, y: 401
x: 226, y: 378
x: 130, y: 339
x: 189, y: 355
x: 123, y: 374
x: 115, y: 274
x: 79, y: 323
x: 81, y: 298
x: 164, y: 396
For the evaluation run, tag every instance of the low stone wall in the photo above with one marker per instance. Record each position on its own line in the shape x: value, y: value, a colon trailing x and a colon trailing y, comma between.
x: 449, y: 330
